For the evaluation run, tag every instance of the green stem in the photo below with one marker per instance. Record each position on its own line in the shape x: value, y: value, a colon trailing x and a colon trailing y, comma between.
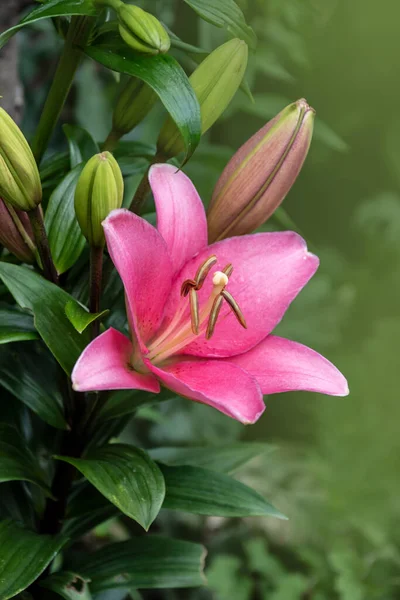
x: 96, y: 268
x: 78, y: 34
x: 111, y: 141
x: 42, y: 243
x: 115, y: 4
x: 143, y: 188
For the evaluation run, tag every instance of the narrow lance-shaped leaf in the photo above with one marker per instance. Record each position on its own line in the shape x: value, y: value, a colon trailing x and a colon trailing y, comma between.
x: 15, y: 325
x: 226, y: 459
x: 68, y: 585
x: 81, y: 317
x: 226, y: 14
x: 30, y: 375
x: 17, y: 463
x: 205, y: 492
x: 51, y: 8
x: 167, y: 78
x: 81, y: 144
x: 65, y: 237
x: 47, y: 302
x: 24, y: 556
x: 145, y: 562
x: 127, y: 477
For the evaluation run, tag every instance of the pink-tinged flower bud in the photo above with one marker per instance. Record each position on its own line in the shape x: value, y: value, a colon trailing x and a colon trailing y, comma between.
x: 16, y: 233
x: 257, y: 178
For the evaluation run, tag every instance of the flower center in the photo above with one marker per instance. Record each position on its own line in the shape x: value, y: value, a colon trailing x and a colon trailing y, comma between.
x: 184, y: 327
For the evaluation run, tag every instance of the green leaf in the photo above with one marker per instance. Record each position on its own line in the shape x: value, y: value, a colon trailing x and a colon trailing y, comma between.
x: 65, y: 237
x: 53, y: 8
x: 225, y: 459
x: 145, y: 562
x: 24, y: 556
x: 205, y: 492
x: 15, y: 325
x: 125, y: 402
x: 80, y: 317
x: 17, y: 462
x: 226, y: 14
x: 47, y: 302
x: 127, y: 477
x: 68, y: 585
x: 32, y: 378
x: 86, y: 509
x: 167, y: 78
x: 81, y: 144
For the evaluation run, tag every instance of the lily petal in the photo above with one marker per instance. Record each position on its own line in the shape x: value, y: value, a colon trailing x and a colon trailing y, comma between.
x: 280, y: 365
x: 181, y: 218
x: 269, y: 270
x: 140, y: 256
x: 220, y: 384
x: 104, y: 365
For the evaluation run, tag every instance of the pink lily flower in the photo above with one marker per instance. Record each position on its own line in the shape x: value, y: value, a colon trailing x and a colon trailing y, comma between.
x: 201, y: 316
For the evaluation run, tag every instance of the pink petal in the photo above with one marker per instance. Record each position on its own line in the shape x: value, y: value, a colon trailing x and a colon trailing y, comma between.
x: 220, y: 384
x: 181, y: 218
x: 269, y: 270
x: 280, y: 365
x: 104, y: 365
x: 140, y: 256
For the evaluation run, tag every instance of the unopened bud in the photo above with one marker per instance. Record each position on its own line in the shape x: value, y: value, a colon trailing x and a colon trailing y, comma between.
x: 134, y: 102
x: 142, y: 31
x: 215, y: 82
x: 16, y: 233
x: 260, y: 174
x: 19, y: 176
x: 99, y: 190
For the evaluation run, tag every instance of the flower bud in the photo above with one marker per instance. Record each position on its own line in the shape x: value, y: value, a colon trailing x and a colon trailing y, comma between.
x: 16, y: 233
x: 99, y: 190
x: 215, y: 82
x: 134, y: 102
x: 19, y: 176
x: 142, y: 31
x: 259, y: 175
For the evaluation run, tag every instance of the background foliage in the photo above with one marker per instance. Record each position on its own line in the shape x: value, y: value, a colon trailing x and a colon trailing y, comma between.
x: 335, y: 470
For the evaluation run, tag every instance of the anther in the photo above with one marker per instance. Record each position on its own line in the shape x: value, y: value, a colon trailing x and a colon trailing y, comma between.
x: 228, y: 270
x: 200, y: 277
x: 234, y: 307
x: 212, y: 321
x: 194, y: 310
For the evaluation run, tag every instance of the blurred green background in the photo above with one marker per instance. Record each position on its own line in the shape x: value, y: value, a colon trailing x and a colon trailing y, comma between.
x: 335, y: 470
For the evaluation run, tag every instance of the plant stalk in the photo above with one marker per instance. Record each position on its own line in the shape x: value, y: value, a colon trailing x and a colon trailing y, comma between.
x: 143, y: 188
x: 78, y: 34
x: 42, y: 244
x: 96, y: 268
x: 111, y: 141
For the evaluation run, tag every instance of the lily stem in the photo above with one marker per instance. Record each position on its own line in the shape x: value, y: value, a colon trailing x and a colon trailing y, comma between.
x: 143, y: 188
x: 111, y: 141
x: 42, y: 243
x: 96, y: 269
x: 78, y: 34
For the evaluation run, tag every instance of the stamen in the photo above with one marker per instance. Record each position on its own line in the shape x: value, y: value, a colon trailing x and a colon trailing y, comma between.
x: 187, y: 285
x: 204, y: 270
x: 235, y: 307
x: 212, y: 321
x: 200, y: 277
x: 228, y: 270
x: 194, y: 310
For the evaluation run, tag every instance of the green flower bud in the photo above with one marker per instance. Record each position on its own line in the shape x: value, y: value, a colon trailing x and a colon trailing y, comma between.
x: 260, y: 174
x: 142, y: 31
x: 215, y: 82
x: 19, y: 176
x: 99, y: 190
x: 134, y: 102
